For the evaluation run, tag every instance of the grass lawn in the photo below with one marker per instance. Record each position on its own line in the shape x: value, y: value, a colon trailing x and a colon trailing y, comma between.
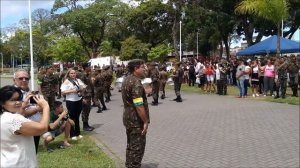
x: 82, y: 153
x: 233, y: 91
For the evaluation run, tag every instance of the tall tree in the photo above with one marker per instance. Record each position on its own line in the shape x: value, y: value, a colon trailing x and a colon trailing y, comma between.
x: 273, y: 10
x: 134, y: 48
x: 89, y: 23
x: 150, y: 22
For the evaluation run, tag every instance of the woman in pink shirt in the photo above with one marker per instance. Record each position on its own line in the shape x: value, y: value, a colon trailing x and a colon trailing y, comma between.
x: 269, y: 76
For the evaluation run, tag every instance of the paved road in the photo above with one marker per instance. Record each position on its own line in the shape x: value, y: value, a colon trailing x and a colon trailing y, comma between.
x: 207, y: 131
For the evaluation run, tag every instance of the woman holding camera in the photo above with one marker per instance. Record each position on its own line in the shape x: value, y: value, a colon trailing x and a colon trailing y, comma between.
x: 72, y: 88
x: 17, y: 145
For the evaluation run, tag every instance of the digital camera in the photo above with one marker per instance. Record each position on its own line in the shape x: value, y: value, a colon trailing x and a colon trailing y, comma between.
x: 31, y: 100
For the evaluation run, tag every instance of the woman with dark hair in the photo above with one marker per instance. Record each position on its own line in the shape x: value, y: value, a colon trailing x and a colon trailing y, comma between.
x: 73, y: 87
x: 17, y: 145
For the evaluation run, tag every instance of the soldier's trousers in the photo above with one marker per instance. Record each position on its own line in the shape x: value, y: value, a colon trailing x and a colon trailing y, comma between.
x: 86, y: 109
x: 155, y: 90
x: 99, y: 95
x: 50, y: 99
x: 294, y: 85
x: 136, y: 143
x: 222, y: 86
x: 107, y: 92
x: 281, y: 86
x: 177, y: 88
x: 162, y: 87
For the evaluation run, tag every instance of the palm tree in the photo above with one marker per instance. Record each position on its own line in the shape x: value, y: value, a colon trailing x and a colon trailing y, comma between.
x: 273, y: 10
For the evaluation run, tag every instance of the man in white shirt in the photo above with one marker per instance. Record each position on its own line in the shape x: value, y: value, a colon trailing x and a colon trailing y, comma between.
x: 21, y: 80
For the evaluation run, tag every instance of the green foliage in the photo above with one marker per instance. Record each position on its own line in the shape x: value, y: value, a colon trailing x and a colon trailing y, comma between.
x: 151, y: 22
x: 89, y: 23
x: 274, y: 10
x: 133, y: 48
x: 159, y: 52
x: 68, y: 50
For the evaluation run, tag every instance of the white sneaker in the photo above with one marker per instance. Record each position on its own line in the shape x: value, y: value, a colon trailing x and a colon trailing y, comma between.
x: 253, y: 95
x: 265, y: 95
x: 257, y: 95
x: 80, y: 136
x: 74, y: 138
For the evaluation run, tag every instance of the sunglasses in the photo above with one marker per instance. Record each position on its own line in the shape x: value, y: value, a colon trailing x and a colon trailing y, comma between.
x: 22, y: 78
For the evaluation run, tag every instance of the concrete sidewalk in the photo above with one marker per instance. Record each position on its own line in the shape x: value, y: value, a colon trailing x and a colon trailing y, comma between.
x: 207, y: 131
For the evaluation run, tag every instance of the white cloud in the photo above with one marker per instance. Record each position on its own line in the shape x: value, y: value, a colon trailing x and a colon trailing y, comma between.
x: 12, y: 11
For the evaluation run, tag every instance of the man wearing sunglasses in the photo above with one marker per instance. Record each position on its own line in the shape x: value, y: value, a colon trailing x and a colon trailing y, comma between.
x: 21, y: 81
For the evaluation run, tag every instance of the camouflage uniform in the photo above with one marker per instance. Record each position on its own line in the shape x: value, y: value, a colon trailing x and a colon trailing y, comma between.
x: 119, y: 72
x: 154, y: 75
x: 132, y: 88
x: 108, y: 78
x: 87, y: 98
x: 222, y: 87
x: 163, y: 77
x: 49, y: 86
x: 178, y: 79
x: 282, y: 79
x: 293, y: 74
x: 99, y: 89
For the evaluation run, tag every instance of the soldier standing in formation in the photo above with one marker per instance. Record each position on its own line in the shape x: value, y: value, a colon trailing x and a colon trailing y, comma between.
x: 154, y: 75
x: 119, y: 73
x: 163, y: 77
x: 293, y: 71
x: 136, y: 113
x: 281, y: 81
x: 99, y: 89
x: 178, y: 79
x: 222, y: 85
x: 49, y: 86
x: 86, y: 97
x: 108, y: 78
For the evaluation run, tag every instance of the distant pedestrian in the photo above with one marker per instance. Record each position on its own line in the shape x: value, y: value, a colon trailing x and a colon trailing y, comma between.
x: 136, y: 113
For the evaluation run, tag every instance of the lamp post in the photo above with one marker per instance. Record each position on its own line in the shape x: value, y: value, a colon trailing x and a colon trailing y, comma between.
x: 180, y: 41
x: 21, y: 49
x: 31, y: 47
x: 1, y: 62
x: 197, y: 42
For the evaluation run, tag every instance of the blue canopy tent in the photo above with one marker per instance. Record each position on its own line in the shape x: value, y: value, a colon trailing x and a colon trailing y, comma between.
x: 268, y: 46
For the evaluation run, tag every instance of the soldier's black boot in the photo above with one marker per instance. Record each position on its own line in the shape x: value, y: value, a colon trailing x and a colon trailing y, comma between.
x: 179, y: 99
x: 104, y: 108
x: 92, y: 128
x: 295, y: 92
x: 155, y: 102
x: 99, y: 110
x: 86, y: 127
x: 163, y: 96
x: 277, y: 95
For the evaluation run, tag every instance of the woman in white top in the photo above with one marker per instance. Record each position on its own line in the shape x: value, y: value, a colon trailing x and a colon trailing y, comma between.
x: 17, y: 145
x: 72, y: 88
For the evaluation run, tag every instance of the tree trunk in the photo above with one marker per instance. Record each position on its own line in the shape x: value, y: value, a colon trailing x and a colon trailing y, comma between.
x: 278, y: 39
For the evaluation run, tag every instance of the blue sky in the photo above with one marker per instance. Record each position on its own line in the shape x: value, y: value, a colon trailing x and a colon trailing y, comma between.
x: 12, y: 11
